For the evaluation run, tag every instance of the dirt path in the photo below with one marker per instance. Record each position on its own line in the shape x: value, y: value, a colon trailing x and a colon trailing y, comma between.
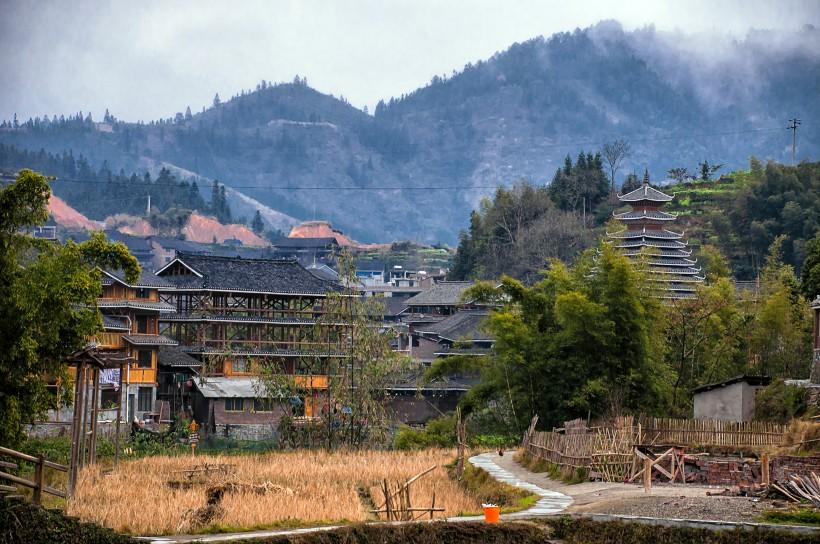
x: 664, y: 501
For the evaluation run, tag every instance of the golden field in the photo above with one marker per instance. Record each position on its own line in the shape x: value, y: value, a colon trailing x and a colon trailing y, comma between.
x: 319, y: 487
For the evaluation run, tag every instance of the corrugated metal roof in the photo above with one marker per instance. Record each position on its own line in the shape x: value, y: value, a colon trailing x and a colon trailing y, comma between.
x: 220, y: 388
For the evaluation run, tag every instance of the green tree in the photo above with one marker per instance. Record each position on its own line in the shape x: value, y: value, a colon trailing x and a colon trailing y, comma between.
x: 48, y: 308
x: 359, y: 368
x: 560, y: 350
x: 810, y: 271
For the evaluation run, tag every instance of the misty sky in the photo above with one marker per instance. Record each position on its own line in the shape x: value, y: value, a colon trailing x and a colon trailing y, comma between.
x: 150, y: 59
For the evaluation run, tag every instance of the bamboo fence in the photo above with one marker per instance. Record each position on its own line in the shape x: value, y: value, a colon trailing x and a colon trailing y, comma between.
x: 707, y: 432
x: 609, y: 452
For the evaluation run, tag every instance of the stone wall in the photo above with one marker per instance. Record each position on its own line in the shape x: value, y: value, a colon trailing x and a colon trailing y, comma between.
x: 248, y: 431
x: 53, y: 429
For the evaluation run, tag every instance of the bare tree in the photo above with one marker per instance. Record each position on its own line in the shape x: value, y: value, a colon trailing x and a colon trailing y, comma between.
x: 614, y: 154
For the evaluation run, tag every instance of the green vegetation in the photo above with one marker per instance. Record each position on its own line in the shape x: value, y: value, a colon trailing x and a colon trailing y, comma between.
x: 780, y: 403
x: 49, y: 295
x: 796, y: 517
x: 438, y: 433
x: 25, y: 523
x: 489, y: 490
x: 560, y: 350
x: 555, y: 472
x: 521, y: 228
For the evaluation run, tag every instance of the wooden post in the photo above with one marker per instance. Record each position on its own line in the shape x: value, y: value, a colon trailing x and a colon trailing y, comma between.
x: 95, y: 415
x: 76, y: 429
x: 84, y: 417
x: 647, y: 475
x: 117, y: 422
x: 38, y: 479
x: 765, y: 475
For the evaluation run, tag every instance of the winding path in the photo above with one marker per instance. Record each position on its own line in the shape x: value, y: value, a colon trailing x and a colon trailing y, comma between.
x: 551, y: 502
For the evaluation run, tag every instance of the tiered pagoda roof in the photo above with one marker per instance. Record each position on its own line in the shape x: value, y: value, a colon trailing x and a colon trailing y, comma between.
x: 671, y: 270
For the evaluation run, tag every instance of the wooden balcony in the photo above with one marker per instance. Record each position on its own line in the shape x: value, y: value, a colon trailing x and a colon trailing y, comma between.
x: 110, y: 340
x: 142, y: 375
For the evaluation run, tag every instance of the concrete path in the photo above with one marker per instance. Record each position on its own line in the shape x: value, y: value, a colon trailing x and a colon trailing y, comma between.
x: 551, y: 501
x: 590, y: 492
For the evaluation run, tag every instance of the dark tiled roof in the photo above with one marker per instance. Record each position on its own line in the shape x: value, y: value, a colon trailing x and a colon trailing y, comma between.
x: 323, y: 272
x: 646, y: 233
x: 135, y: 304
x: 146, y: 279
x: 148, y: 340
x: 465, y: 324
x: 445, y: 293
x: 413, y: 380
x: 751, y: 380
x: 645, y: 214
x: 175, y: 357
x: 306, y: 242
x: 255, y: 275
x: 115, y: 323
x: 180, y: 245
x: 392, y: 306
x: 645, y: 192
x: 671, y: 244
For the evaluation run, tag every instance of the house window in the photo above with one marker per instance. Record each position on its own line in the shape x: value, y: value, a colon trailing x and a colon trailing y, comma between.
x: 144, y: 399
x: 142, y: 293
x: 239, y: 365
x: 263, y: 405
x: 234, y: 405
x: 142, y: 324
x: 144, y: 358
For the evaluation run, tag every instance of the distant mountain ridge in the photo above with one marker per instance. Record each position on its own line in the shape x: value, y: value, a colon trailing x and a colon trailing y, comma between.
x: 418, y: 166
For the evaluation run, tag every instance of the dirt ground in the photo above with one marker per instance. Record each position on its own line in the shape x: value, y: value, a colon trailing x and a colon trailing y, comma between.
x: 664, y: 501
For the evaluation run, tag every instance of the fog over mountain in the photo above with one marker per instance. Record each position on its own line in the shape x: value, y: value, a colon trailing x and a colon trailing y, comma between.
x: 421, y: 162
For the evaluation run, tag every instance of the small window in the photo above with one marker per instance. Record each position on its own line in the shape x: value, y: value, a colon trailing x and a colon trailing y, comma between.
x: 142, y: 293
x: 142, y: 324
x: 234, y: 405
x: 144, y: 399
x: 239, y: 365
x: 144, y: 359
x: 263, y: 405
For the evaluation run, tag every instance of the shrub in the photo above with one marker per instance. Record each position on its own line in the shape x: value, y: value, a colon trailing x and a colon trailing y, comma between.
x: 439, y: 433
x: 22, y: 522
x: 780, y: 403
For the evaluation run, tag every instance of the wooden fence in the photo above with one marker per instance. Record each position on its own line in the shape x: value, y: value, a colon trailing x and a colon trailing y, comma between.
x: 707, y: 432
x: 609, y: 452
x: 38, y: 485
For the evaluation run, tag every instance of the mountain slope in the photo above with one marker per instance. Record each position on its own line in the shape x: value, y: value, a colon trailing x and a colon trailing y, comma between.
x: 678, y: 99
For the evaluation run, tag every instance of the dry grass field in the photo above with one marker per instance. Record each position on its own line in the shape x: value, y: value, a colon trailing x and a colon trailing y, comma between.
x: 307, y: 487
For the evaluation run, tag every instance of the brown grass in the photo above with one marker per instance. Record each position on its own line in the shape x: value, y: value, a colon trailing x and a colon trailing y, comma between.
x: 136, y: 498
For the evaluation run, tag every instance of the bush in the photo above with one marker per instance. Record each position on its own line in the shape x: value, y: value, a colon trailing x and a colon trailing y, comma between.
x: 439, y: 433
x: 780, y: 403
x: 24, y: 523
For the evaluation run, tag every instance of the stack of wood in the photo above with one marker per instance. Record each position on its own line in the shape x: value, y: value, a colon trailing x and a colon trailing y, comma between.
x: 800, y: 488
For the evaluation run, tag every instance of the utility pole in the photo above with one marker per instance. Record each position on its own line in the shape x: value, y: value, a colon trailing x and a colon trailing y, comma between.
x: 793, y: 124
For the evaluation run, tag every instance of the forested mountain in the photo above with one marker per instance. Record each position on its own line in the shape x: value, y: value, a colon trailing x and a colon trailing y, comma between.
x: 677, y: 99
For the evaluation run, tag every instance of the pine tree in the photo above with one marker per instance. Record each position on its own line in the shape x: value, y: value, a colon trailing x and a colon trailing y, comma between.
x: 217, y: 101
x: 257, y: 225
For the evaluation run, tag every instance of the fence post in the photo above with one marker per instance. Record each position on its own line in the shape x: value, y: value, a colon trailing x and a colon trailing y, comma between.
x: 647, y: 475
x: 38, y: 479
x: 764, y: 469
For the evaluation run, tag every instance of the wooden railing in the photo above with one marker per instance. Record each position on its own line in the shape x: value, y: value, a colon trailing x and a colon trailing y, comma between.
x: 38, y: 484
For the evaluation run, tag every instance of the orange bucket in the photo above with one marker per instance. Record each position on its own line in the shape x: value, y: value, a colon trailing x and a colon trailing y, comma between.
x: 491, y: 513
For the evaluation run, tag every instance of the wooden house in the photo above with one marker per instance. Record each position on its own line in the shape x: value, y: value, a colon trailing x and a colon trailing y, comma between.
x: 236, y: 316
x: 131, y: 313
